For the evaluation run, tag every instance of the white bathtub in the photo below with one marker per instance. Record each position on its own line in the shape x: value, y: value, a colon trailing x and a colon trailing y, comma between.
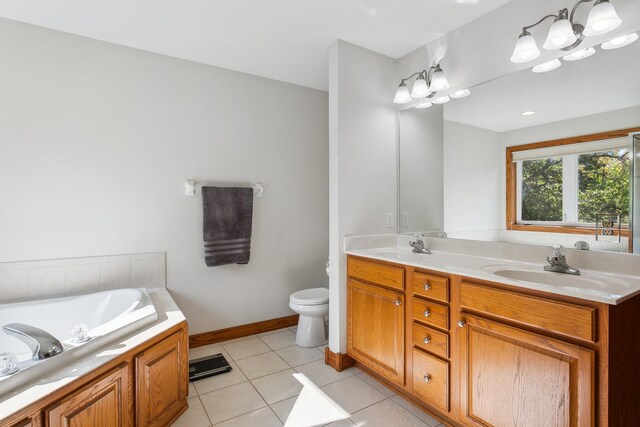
x: 109, y: 315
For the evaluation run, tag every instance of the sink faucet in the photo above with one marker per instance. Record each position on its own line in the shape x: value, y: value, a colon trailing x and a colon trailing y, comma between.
x: 42, y: 344
x: 558, y: 262
x: 418, y: 245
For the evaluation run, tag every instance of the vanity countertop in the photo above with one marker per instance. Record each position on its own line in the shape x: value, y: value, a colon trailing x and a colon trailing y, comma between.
x: 591, y: 285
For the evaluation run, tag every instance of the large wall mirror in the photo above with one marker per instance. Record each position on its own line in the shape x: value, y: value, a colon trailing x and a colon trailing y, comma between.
x: 531, y: 158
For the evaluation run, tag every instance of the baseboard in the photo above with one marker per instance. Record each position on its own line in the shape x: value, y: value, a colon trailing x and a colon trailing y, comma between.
x: 338, y: 361
x: 212, y: 337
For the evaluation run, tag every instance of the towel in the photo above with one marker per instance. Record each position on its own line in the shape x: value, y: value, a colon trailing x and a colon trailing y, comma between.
x: 227, y: 217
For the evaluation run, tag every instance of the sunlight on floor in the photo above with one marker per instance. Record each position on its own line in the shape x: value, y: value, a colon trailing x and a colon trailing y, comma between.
x: 313, y: 407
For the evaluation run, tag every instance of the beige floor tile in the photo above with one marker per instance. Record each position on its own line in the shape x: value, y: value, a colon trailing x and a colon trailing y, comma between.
x: 312, y: 407
x: 262, y: 417
x: 206, y: 350
x: 192, y: 390
x: 296, y: 356
x: 424, y: 416
x: 216, y: 382
x: 293, y: 329
x: 376, y: 384
x: 280, y: 340
x: 277, y: 331
x: 342, y: 423
x: 353, y: 394
x: 261, y: 365
x: 248, y: 337
x: 195, y: 416
x: 231, y: 402
x: 385, y: 414
x: 279, y: 386
x: 246, y: 348
x: 321, y: 374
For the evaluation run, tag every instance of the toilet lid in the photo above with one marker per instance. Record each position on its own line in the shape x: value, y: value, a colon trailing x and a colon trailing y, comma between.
x: 313, y: 296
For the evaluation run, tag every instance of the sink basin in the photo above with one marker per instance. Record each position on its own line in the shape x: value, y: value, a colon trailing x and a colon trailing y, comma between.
x: 548, y: 278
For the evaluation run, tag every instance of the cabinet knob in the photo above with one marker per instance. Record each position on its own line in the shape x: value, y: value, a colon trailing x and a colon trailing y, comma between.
x: 462, y: 323
x: 427, y: 378
x: 427, y: 286
x: 427, y: 339
x: 397, y: 302
x: 427, y: 313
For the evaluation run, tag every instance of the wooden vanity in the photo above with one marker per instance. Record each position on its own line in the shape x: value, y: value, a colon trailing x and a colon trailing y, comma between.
x: 480, y: 353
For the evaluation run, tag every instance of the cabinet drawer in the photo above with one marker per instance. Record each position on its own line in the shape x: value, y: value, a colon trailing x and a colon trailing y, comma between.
x: 430, y: 286
x: 431, y: 313
x: 559, y: 317
x: 384, y: 275
x: 433, y: 341
x: 431, y: 379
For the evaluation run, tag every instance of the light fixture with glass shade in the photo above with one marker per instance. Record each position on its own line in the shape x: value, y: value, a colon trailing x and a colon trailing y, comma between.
x: 621, y: 41
x: 547, y: 66
x: 441, y: 100
x: 427, y: 83
x: 565, y: 33
x: 423, y: 103
x: 579, y: 54
x: 460, y: 94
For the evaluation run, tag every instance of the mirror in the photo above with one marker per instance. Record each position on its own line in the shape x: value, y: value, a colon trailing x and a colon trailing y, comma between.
x: 555, y: 197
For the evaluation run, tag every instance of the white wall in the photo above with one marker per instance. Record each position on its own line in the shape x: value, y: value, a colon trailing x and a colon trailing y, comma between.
x: 472, y: 177
x: 96, y: 141
x: 421, y: 169
x: 363, y: 161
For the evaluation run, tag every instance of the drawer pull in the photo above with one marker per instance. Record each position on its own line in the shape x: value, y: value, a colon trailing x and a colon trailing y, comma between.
x: 462, y: 323
x: 427, y: 378
x: 427, y: 286
x: 427, y: 339
x: 427, y: 313
x: 397, y: 302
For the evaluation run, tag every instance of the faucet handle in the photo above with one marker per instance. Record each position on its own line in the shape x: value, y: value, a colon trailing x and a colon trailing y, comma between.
x: 558, y: 250
x: 418, y: 236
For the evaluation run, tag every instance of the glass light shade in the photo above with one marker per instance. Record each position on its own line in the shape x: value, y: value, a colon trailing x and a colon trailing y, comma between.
x: 441, y: 100
x: 602, y: 19
x: 580, y: 54
x: 420, y: 89
x: 621, y: 41
x: 402, y: 95
x: 526, y: 49
x: 438, y: 81
x: 461, y: 93
x: 547, y: 66
x: 423, y: 104
x: 560, y: 35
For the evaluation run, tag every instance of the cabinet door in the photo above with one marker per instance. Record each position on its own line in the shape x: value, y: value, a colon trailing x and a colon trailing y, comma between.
x: 103, y: 403
x: 376, y: 329
x: 512, y: 377
x: 162, y: 381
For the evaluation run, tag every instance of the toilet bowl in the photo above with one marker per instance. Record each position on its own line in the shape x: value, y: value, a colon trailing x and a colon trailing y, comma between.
x: 313, y: 306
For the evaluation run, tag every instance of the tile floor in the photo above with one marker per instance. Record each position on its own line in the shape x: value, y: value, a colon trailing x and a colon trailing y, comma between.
x: 276, y: 383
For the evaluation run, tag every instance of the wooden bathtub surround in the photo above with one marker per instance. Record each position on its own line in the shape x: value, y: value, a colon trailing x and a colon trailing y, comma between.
x: 478, y: 353
x: 146, y: 386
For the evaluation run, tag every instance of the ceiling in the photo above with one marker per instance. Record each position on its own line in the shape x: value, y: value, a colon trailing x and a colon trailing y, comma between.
x: 284, y: 40
x: 606, y: 81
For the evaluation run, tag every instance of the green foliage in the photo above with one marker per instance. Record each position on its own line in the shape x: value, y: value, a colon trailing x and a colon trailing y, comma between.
x: 604, y: 185
x: 542, y: 190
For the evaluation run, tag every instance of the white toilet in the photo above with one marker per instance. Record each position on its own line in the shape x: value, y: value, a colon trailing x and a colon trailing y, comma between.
x: 313, y: 307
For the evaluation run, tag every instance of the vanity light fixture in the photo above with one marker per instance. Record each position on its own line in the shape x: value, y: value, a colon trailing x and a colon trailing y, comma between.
x: 579, y: 54
x: 427, y: 83
x: 441, y: 100
x: 460, y: 94
x: 547, y: 66
x: 565, y: 33
x: 423, y: 103
x: 621, y: 41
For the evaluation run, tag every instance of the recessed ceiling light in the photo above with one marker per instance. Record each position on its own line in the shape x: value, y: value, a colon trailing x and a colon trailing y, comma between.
x: 461, y: 93
x: 621, y: 41
x: 580, y: 54
x: 441, y: 100
x: 547, y: 66
x: 528, y: 113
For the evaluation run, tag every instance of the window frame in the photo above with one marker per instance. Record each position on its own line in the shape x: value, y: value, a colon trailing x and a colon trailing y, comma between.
x: 513, y: 187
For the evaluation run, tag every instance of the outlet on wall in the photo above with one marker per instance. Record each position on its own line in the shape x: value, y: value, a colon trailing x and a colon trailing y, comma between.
x: 390, y: 220
x: 405, y: 219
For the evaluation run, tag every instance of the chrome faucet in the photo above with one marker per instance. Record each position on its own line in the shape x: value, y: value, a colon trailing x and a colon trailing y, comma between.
x: 418, y: 245
x: 42, y: 344
x: 558, y: 262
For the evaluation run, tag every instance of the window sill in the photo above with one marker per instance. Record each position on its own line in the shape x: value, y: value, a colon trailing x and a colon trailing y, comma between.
x: 563, y: 229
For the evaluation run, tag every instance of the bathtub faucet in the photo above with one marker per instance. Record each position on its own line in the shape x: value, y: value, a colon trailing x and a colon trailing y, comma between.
x: 42, y: 344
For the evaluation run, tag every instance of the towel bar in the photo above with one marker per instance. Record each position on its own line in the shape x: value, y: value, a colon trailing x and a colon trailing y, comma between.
x: 190, y: 186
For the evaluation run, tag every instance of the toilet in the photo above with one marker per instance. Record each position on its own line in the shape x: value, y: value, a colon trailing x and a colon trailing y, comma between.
x: 313, y: 307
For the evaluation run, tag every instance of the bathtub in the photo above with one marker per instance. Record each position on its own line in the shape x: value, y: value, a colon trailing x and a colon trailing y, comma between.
x: 109, y: 315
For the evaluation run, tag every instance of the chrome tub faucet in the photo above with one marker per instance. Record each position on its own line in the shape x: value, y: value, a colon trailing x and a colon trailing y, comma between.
x: 558, y: 262
x: 42, y: 344
x: 418, y: 245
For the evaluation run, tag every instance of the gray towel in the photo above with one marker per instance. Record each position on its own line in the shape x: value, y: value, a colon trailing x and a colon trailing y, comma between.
x: 227, y: 216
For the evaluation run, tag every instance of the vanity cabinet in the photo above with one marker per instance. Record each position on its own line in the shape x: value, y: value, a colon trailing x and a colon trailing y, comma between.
x: 479, y: 353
